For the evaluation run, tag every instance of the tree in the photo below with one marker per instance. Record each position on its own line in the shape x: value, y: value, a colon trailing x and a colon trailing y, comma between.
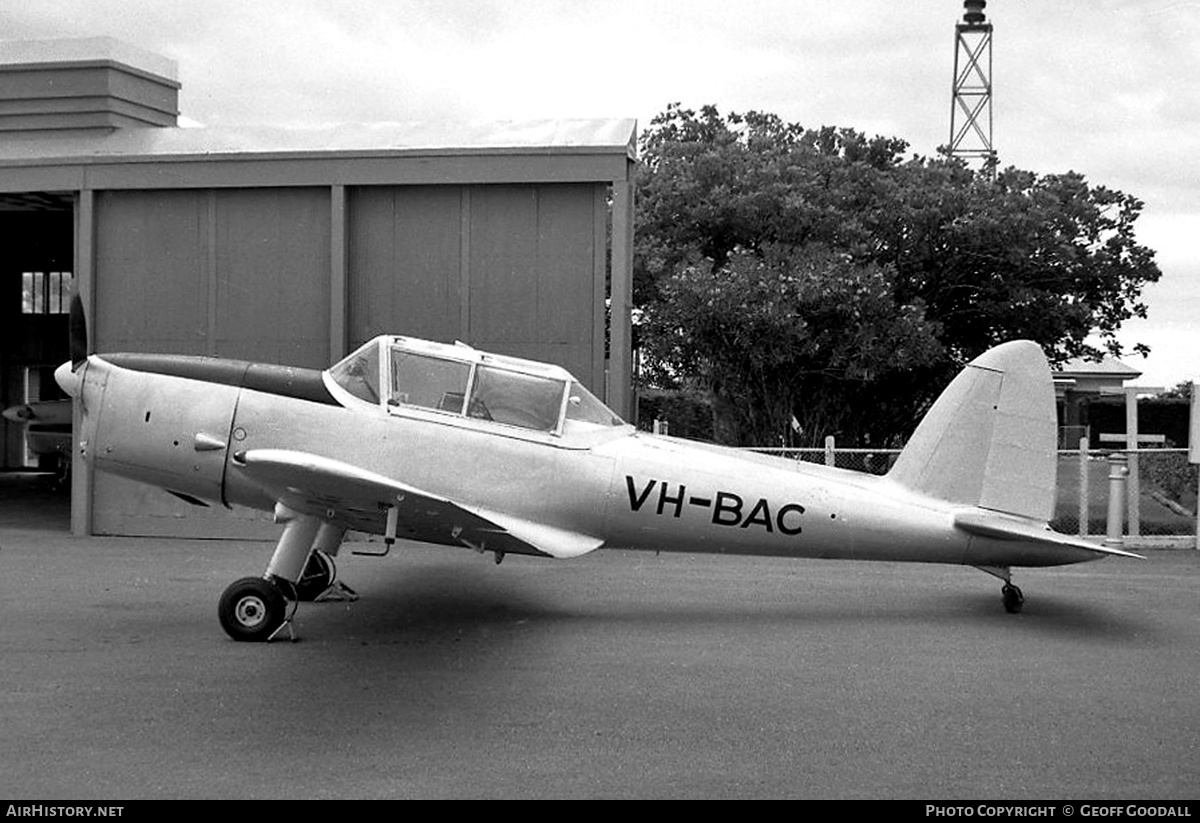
x: 788, y: 332
x: 822, y: 275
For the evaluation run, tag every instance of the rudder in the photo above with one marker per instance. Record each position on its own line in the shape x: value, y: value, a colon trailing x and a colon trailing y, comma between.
x: 990, y: 439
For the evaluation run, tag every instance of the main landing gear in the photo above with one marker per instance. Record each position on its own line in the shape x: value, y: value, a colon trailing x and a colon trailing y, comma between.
x: 258, y: 609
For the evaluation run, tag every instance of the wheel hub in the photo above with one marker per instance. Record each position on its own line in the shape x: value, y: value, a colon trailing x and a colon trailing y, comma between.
x: 250, y: 611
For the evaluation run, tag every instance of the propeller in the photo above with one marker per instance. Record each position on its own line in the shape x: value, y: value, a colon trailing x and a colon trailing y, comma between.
x: 67, y: 375
x: 77, y: 325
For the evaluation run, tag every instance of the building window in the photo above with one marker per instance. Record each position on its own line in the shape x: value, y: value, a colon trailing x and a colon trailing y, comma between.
x: 46, y: 292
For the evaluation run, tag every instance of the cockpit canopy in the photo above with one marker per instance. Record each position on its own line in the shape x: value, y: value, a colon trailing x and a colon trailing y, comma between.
x: 404, y: 373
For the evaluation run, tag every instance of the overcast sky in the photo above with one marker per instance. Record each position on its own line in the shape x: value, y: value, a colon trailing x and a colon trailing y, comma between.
x: 1108, y: 88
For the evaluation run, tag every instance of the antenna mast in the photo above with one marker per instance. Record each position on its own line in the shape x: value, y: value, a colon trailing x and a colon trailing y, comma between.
x: 971, y: 107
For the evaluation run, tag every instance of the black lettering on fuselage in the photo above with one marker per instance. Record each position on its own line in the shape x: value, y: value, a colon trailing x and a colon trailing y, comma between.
x: 784, y: 528
x: 760, y: 515
x: 727, y: 507
x: 727, y: 504
x: 636, y: 500
x: 664, y: 499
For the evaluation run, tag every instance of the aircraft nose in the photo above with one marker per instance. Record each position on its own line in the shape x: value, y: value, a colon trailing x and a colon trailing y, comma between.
x: 17, y: 414
x: 68, y: 379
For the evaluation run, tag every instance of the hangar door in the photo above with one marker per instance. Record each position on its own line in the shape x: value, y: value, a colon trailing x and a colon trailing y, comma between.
x: 36, y: 273
x: 240, y: 273
x: 516, y: 269
x: 228, y: 272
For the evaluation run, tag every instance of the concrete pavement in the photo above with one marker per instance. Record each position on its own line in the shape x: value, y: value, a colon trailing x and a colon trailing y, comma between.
x: 612, y: 675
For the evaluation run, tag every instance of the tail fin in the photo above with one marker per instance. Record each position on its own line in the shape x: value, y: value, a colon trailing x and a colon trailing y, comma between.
x: 990, y: 439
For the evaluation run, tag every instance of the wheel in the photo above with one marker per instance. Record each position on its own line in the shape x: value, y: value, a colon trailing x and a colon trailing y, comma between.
x: 1013, y: 599
x: 317, y: 576
x: 251, y: 609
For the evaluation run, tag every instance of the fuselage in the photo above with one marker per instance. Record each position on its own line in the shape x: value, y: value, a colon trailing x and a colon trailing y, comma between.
x: 180, y: 423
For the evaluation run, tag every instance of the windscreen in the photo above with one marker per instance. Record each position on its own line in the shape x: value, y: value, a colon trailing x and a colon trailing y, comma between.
x: 585, y: 407
x: 359, y: 373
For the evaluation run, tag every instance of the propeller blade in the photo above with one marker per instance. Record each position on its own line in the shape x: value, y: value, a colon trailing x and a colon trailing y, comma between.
x: 78, y: 331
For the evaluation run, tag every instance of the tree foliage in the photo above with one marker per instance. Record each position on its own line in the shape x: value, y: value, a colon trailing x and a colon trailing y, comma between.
x: 821, y: 274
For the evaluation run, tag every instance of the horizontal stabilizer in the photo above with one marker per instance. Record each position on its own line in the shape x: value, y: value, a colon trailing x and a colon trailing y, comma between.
x: 1007, y: 527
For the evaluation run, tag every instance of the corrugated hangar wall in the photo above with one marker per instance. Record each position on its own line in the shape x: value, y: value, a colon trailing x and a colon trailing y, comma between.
x: 245, y: 273
x: 240, y: 273
x: 510, y: 268
x: 293, y: 245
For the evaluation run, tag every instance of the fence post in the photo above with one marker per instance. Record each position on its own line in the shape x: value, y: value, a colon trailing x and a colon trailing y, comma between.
x: 1193, y: 445
x: 1084, y: 496
x: 1133, y: 488
x: 830, y: 456
x: 1118, y: 471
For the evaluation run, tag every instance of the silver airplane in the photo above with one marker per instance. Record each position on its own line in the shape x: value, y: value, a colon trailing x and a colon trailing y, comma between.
x: 47, y: 432
x: 449, y: 445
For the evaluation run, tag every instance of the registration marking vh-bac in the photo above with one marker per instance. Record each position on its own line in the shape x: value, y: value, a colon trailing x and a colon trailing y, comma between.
x: 448, y: 445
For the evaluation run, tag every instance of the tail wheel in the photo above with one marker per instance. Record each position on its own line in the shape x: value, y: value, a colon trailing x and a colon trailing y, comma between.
x: 1013, y: 599
x: 251, y: 609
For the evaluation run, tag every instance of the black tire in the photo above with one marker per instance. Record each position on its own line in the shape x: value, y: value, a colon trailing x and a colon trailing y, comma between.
x: 317, y: 576
x: 251, y: 609
x: 1013, y: 599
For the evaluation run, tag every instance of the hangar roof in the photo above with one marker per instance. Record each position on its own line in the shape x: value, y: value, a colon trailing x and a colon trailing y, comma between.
x: 97, y: 113
x: 541, y: 151
x: 371, y: 139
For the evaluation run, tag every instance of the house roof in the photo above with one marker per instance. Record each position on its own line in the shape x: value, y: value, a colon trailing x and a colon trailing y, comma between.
x: 1105, y: 367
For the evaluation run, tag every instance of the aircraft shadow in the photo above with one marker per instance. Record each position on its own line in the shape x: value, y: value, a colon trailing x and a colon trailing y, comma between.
x: 433, y: 602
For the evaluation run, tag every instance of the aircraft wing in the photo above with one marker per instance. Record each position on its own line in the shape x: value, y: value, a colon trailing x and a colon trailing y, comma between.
x: 359, y: 499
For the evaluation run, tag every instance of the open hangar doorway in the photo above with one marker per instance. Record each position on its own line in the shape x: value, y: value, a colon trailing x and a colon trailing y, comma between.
x: 36, y: 285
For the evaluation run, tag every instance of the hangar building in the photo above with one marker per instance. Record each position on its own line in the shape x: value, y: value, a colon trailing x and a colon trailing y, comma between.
x: 290, y: 245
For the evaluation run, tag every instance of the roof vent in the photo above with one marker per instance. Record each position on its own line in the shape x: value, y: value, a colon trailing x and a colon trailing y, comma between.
x: 89, y: 85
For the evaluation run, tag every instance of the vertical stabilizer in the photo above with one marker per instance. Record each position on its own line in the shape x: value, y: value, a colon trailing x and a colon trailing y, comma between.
x: 990, y: 439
